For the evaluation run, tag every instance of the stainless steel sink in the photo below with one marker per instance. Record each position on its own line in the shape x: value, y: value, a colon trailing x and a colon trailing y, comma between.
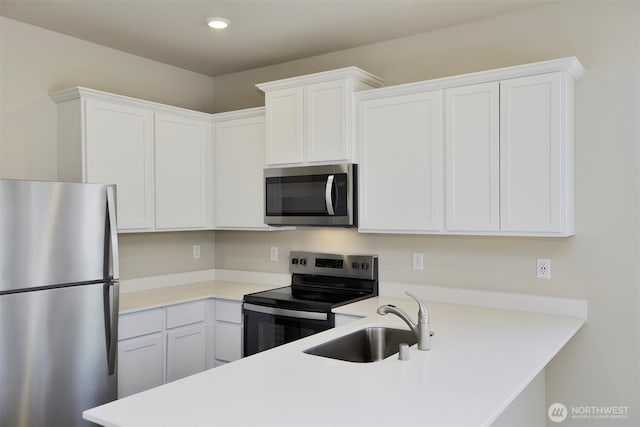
x: 366, y: 345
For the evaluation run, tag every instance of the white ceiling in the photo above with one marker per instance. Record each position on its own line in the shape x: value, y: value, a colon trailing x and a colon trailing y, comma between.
x: 262, y: 32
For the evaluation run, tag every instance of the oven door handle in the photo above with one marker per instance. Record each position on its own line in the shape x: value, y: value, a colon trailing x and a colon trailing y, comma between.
x: 310, y: 315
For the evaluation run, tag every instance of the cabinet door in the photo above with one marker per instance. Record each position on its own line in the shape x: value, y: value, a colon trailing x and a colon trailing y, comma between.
x: 186, y: 351
x: 181, y: 149
x: 531, y: 153
x: 472, y: 153
x: 240, y: 160
x: 400, y: 171
x: 228, y: 342
x: 119, y: 150
x: 284, y: 117
x: 326, y: 117
x: 140, y: 364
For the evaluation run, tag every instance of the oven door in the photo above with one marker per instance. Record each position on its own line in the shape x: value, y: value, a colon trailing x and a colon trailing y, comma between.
x: 268, y: 327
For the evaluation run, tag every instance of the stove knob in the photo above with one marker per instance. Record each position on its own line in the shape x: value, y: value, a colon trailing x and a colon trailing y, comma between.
x: 365, y: 265
x: 355, y: 265
x: 294, y: 261
x: 303, y: 261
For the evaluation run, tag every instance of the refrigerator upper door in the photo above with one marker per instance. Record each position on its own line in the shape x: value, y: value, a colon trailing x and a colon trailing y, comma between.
x: 58, y: 349
x: 55, y: 233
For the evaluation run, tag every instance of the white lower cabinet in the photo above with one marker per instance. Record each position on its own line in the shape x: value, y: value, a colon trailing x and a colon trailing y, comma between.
x: 186, y: 339
x: 141, y: 351
x: 186, y: 351
x: 140, y: 364
x: 165, y: 344
x: 228, y: 331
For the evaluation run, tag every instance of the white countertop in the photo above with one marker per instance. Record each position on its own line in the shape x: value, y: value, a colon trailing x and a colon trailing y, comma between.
x: 481, y: 359
x: 160, y: 297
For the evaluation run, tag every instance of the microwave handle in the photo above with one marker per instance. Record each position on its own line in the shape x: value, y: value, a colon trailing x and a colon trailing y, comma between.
x: 327, y: 195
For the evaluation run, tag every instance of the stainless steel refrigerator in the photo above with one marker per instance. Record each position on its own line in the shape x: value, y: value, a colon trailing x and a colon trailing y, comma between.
x: 58, y: 301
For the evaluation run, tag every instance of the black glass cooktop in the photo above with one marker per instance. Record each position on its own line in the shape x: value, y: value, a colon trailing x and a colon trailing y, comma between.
x: 307, y: 297
x: 320, y: 282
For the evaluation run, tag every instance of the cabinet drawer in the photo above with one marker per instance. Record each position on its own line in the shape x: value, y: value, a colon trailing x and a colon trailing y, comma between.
x: 228, y: 311
x: 140, y: 323
x: 185, y: 314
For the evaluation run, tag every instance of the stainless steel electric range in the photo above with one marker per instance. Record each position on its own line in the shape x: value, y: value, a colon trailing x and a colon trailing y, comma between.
x: 319, y: 283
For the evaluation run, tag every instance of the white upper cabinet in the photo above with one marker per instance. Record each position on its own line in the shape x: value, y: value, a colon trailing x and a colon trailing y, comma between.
x: 182, y: 154
x: 158, y: 156
x: 327, y: 108
x: 536, y: 158
x: 284, y: 126
x: 472, y: 151
x: 309, y: 118
x: 119, y: 150
x: 508, y: 162
x: 401, y: 158
x: 239, y: 141
x: 116, y: 147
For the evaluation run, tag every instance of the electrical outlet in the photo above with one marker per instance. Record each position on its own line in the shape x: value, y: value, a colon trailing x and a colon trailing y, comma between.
x: 196, y: 251
x: 418, y: 261
x: 543, y: 266
x: 274, y: 253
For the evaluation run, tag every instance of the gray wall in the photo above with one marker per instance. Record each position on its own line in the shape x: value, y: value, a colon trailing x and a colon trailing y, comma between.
x: 600, y: 366
x: 35, y: 62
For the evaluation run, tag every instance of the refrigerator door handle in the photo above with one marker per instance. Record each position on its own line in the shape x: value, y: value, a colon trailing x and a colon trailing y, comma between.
x: 111, y: 309
x: 114, y: 267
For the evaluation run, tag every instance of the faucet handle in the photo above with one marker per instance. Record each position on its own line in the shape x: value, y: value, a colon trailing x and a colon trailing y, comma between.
x: 423, y: 313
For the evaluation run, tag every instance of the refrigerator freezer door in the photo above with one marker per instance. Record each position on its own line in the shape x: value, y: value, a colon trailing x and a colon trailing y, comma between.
x: 55, y: 233
x: 54, y: 361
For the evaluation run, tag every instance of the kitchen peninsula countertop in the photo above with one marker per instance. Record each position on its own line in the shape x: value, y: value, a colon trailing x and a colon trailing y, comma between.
x: 481, y: 359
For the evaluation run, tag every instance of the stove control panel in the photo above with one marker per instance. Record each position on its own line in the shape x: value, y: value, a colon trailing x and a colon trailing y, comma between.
x: 357, y: 266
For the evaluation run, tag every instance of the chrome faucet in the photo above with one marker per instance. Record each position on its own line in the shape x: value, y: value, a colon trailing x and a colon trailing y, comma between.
x: 422, y: 329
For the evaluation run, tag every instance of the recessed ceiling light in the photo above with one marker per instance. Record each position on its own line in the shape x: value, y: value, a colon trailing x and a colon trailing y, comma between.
x: 218, y: 23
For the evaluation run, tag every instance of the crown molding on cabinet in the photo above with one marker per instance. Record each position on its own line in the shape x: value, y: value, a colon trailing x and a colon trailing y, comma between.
x: 239, y: 114
x: 325, y: 76
x: 81, y: 92
x: 570, y: 64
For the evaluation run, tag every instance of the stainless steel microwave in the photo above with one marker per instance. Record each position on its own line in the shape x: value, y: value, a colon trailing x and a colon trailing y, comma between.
x: 312, y: 196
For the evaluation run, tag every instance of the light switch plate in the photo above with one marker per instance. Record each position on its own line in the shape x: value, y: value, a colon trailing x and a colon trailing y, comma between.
x: 418, y: 261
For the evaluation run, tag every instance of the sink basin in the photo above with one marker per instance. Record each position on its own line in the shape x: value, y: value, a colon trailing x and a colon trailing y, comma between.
x: 366, y: 345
